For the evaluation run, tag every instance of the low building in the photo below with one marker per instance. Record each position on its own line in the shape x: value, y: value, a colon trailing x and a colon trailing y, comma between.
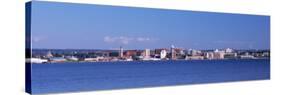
x: 130, y: 53
x: 247, y: 56
x: 91, y: 59
x: 194, y: 57
x: 57, y: 59
x: 96, y: 59
x: 230, y: 56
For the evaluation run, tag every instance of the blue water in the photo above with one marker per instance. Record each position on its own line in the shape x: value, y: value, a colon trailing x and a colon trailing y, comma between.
x: 56, y: 78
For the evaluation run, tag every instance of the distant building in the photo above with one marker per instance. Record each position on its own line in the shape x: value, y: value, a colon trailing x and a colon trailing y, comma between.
x: 103, y: 53
x: 49, y: 54
x: 247, y: 56
x: 179, y: 51
x: 194, y: 57
x: 114, y: 54
x: 209, y: 55
x: 230, y: 55
x: 94, y: 59
x: 265, y: 54
x: 216, y: 50
x: 130, y: 53
x: 158, y: 51
x: 193, y: 52
x: 163, y: 54
x: 121, y: 52
x: 173, y: 52
x: 91, y: 59
x: 146, y: 53
x: 228, y: 50
x: 71, y: 58
x: 219, y: 54
x: 57, y: 59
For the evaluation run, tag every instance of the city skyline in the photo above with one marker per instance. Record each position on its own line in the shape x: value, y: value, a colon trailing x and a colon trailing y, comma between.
x: 80, y: 26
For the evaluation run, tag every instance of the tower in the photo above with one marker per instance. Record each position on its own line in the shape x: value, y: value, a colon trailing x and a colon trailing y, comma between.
x: 173, y: 53
x: 121, y: 52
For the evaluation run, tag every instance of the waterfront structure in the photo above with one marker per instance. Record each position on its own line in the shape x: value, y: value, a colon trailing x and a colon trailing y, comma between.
x: 173, y: 53
x: 91, y: 59
x: 146, y: 53
x: 158, y: 51
x: 71, y: 58
x: 96, y: 59
x: 130, y: 53
x: 178, y: 52
x: 163, y: 54
x: 230, y: 55
x: 103, y: 53
x: 228, y: 50
x: 209, y: 55
x: 49, y: 54
x: 36, y: 60
x: 57, y: 59
x: 129, y: 59
x: 194, y: 57
x: 265, y: 54
x: 219, y: 54
x: 121, y: 52
x: 247, y: 56
x: 193, y: 52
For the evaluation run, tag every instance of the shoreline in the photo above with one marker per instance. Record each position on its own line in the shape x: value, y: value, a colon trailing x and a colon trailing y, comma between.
x: 117, y: 62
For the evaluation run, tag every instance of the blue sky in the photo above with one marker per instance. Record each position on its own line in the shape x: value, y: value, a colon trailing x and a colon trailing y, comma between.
x: 85, y: 26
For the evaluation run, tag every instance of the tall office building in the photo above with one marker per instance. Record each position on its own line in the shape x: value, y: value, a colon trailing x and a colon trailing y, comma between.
x: 173, y: 53
x: 121, y: 52
x: 146, y: 53
x: 163, y: 54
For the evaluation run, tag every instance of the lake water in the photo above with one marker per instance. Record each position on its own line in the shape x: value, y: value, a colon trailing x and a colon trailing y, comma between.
x: 87, y: 76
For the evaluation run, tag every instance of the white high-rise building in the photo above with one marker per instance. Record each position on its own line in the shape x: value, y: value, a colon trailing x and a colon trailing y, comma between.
x: 163, y: 54
x: 147, y: 53
x: 173, y: 52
